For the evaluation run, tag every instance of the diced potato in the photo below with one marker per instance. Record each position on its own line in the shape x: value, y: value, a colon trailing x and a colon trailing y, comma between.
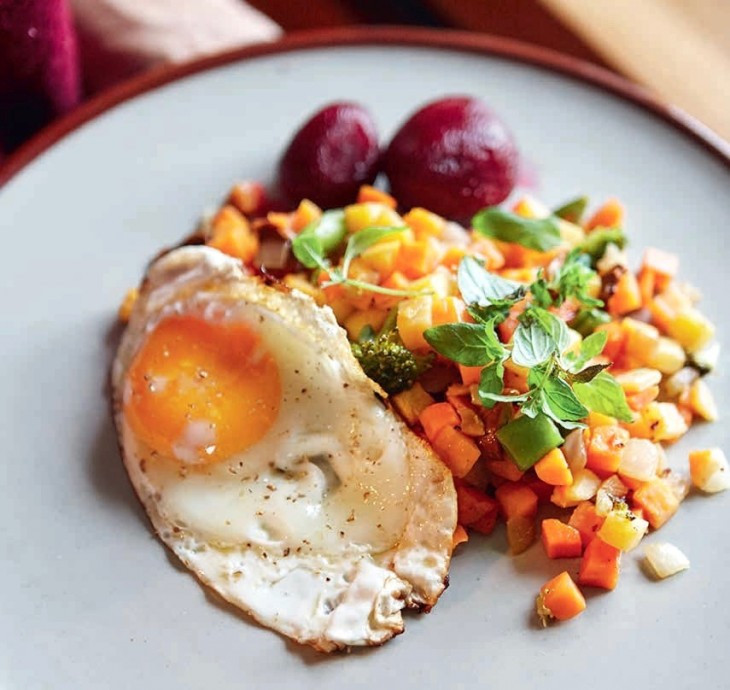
x: 570, y: 232
x: 622, y: 529
x: 382, y: 256
x: 360, y: 216
x: 412, y: 402
x: 691, y: 329
x: 701, y: 401
x: 638, y: 380
x: 438, y: 282
x: 360, y: 319
x: 665, y: 559
x: 584, y: 487
x: 641, y: 338
x: 414, y: 317
x: 709, y: 470
x: 640, y: 460
x: 658, y: 422
x: 667, y: 356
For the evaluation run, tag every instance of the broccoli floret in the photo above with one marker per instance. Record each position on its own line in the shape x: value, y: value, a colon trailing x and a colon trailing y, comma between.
x: 388, y: 362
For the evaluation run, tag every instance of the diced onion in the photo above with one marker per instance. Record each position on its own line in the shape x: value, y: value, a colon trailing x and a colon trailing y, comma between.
x: 665, y: 559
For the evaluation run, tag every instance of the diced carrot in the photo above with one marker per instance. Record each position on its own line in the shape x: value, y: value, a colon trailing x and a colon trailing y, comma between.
x: 605, y: 449
x: 232, y: 235
x: 600, y: 565
x: 560, y: 598
x: 626, y: 297
x: 487, y: 250
x: 507, y: 328
x: 657, y: 500
x: 516, y: 377
x: 516, y: 500
x: 418, y: 257
x: 476, y: 509
x: 414, y: 317
x: 561, y: 540
x: 395, y: 281
x: 458, y: 451
x: 505, y: 469
x: 586, y: 520
x: 424, y: 223
x: 249, y: 198
x: 452, y: 256
x: 638, y: 401
x: 369, y: 193
x: 553, y: 469
x: 647, y: 284
x: 615, y: 340
x: 306, y: 213
x: 282, y: 222
x: 470, y: 375
x: 435, y: 417
x: 521, y: 533
x: 460, y: 536
x: 596, y: 419
x: 610, y: 215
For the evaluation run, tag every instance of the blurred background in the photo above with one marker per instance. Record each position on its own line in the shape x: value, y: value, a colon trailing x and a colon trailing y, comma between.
x: 56, y: 53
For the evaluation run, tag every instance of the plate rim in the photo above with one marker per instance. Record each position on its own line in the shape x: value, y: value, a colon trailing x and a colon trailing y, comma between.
x: 438, y: 39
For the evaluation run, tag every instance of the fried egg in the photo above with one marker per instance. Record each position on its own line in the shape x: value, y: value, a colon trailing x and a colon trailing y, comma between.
x: 267, y: 462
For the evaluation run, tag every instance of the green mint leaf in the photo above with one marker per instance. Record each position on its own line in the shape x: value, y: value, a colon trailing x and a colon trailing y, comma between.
x: 604, y: 394
x: 572, y: 210
x: 587, y: 374
x: 591, y: 347
x: 531, y: 344
x: 588, y: 320
x: 309, y: 252
x: 573, y: 279
x: 560, y: 402
x: 596, y: 242
x: 555, y: 327
x: 480, y: 287
x: 541, y: 294
x: 491, y: 383
x: 319, y: 238
x: 470, y: 344
x: 539, y: 234
x: 362, y: 239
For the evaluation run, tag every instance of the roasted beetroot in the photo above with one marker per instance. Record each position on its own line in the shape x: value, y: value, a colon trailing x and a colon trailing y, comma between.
x: 328, y: 159
x: 454, y: 156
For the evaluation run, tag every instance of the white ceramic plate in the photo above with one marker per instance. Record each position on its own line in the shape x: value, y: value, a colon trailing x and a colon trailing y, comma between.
x: 90, y: 599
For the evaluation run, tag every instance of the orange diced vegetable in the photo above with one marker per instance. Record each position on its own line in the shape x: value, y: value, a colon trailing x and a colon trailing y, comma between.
x: 516, y: 500
x: 615, y: 340
x: 553, y: 469
x: 231, y: 234
x: 437, y: 416
x: 369, y: 193
x: 424, y: 223
x: 306, y: 213
x: 476, y: 509
x: 626, y: 297
x: 414, y: 317
x: 470, y: 375
x: 448, y: 310
x: 418, y: 257
x: 521, y: 533
x: 460, y: 536
x: 661, y: 263
x: 544, y: 491
x: 709, y: 470
x: 561, y: 540
x: 657, y: 500
x: 560, y: 598
x: 586, y: 520
x: 507, y: 328
x: 647, y: 284
x: 605, y: 448
x: 458, y: 451
x: 600, y: 565
x: 610, y: 215
x: 249, y: 198
x: 638, y: 401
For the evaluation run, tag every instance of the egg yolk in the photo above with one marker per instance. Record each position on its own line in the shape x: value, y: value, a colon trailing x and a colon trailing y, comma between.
x: 200, y: 391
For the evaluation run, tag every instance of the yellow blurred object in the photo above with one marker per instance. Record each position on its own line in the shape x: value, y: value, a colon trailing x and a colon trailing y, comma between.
x: 382, y: 256
x: 369, y: 213
x: 702, y: 402
x: 414, y: 317
x: 125, y: 308
x: 306, y: 213
x: 424, y: 223
x: 691, y: 329
x: 622, y: 530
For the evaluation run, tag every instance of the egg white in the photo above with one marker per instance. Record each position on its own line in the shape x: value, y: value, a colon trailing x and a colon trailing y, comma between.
x: 338, y: 516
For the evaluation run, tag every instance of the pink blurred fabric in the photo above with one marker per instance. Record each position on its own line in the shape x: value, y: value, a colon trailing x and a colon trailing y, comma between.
x: 41, y: 75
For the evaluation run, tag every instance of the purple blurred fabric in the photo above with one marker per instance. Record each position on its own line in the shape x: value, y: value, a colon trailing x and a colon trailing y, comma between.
x: 39, y: 67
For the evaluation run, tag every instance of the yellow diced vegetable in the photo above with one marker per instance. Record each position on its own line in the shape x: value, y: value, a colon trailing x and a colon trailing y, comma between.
x: 709, y: 470
x: 658, y: 422
x: 381, y: 256
x: 641, y: 338
x: 622, y: 529
x: 412, y: 402
x: 691, y: 329
x: 360, y: 216
x: 438, y: 283
x: 667, y: 356
x: 424, y: 223
x: 414, y: 317
x: 360, y: 319
x: 701, y: 401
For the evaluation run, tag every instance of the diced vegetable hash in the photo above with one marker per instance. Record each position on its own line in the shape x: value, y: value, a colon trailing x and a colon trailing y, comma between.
x: 538, y: 365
